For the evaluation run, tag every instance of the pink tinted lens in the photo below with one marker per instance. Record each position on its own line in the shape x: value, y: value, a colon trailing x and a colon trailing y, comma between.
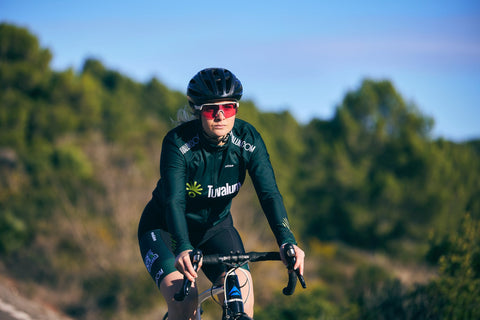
x: 210, y: 111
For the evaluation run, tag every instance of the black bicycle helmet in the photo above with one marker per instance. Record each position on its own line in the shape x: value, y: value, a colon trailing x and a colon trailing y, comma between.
x: 213, y: 84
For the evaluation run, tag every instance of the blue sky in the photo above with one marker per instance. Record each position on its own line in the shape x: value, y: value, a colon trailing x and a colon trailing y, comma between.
x: 302, y: 56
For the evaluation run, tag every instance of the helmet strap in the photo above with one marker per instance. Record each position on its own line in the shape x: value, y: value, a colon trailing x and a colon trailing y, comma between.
x: 224, y: 139
x: 216, y: 140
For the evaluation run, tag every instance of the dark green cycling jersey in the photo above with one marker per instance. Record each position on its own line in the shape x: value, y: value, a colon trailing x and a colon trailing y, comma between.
x: 199, y: 180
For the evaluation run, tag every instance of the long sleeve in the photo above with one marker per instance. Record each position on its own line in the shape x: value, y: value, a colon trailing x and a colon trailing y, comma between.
x: 263, y: 177
x: 173, y: 174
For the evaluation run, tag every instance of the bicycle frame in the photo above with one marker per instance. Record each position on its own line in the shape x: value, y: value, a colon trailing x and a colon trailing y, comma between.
x: 211, y: 293
x: 233, y: 302
x: 205, y: 295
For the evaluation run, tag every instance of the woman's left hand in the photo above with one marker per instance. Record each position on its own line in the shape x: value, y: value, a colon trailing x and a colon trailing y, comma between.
x: 299, y: 258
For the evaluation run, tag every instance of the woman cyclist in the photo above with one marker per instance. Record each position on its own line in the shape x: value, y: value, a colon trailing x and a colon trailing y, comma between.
x: 203, y: 165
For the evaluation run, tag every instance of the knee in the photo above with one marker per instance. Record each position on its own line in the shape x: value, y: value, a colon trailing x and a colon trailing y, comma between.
x: 185, y: 309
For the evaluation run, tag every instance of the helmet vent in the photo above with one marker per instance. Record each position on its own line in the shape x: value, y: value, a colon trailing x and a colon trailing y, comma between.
x: 228, y: 85
x: 220, y: 88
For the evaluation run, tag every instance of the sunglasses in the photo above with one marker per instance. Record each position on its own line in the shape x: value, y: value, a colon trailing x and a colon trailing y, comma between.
x: 210, y: 110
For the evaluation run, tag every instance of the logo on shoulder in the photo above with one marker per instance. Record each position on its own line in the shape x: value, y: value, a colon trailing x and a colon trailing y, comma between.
x: 190, y: 144
x: 243, y: 144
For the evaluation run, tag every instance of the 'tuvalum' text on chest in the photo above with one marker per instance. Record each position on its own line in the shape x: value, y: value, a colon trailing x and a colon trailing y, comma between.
x: 226, y: 190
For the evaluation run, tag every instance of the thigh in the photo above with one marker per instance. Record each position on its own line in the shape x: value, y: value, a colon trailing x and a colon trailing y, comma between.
x: 224, y: 241
x: 155, y: 247
x: 246, y: 287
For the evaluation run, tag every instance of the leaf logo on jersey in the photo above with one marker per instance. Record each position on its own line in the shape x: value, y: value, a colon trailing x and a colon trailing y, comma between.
x: 194, y: 189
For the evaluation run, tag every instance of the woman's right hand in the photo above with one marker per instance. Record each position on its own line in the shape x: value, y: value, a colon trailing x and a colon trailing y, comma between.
x: 184, y: 265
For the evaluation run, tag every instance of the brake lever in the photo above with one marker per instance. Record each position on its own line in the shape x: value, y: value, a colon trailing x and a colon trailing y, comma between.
x: 195, y: 257
x: 294, y: 274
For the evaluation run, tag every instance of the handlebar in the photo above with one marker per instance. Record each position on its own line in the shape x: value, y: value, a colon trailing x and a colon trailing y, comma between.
x: 239, y: 259
x: 293, y: 274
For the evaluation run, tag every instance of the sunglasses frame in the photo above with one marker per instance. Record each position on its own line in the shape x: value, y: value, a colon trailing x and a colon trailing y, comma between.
x: 218, y: 104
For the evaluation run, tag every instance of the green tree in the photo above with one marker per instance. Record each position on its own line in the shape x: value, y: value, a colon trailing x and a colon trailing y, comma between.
x: 23, y: 63
x: 457, y: 288
x: 358, y: 165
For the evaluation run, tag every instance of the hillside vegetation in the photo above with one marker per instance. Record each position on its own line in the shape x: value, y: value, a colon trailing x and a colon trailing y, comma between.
x: 388, y: 215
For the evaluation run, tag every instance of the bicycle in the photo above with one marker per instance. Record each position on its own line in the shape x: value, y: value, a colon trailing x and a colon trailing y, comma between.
x: 233, y: 300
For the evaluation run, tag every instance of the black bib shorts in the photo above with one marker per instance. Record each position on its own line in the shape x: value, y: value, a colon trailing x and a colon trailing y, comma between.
x: 158, y: 256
